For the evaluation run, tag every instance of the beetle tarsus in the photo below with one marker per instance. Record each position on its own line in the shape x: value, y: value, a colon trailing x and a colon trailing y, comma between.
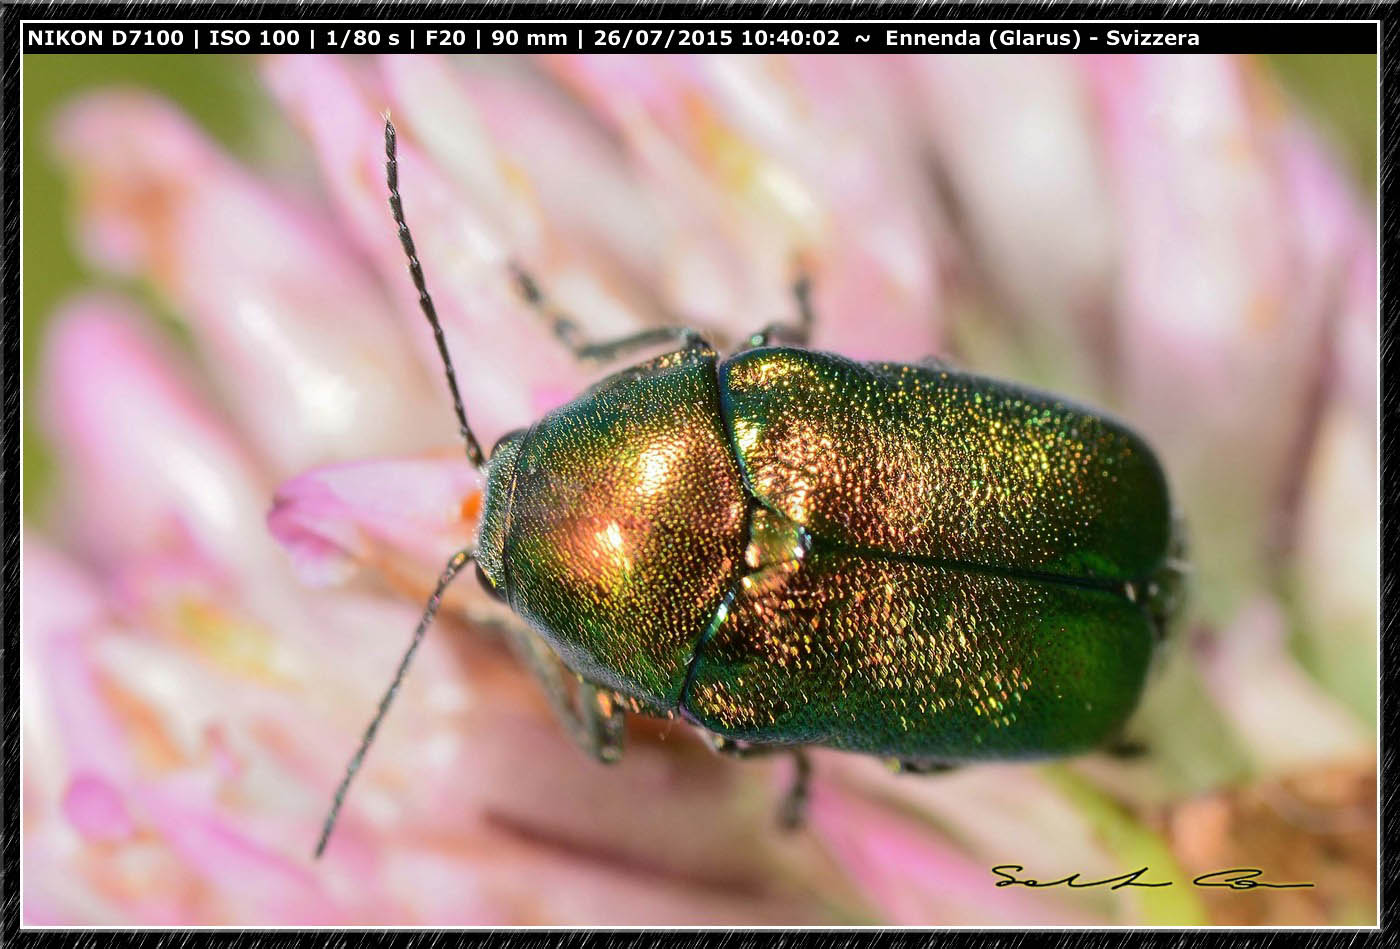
x: 591, y: 718
x: 792, y: 814
x: 1126, y: 749
x: 679, y: 336
x: 736, y: 749
x: 909, y: 766
x: 526, y: 285
x: 605, y: 722
x: 795, y: 334
x: 567, y: 332
x: 806, y: 314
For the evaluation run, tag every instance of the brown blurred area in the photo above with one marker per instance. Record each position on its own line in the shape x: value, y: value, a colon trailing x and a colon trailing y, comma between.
x: 1316, y: 826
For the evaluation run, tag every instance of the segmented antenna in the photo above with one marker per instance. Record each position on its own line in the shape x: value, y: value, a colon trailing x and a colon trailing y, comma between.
x: 415, y: 269
x: 454, y: 566
x: 474, y: 455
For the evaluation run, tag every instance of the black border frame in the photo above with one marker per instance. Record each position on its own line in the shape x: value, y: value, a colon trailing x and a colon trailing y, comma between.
x: 12, y: 12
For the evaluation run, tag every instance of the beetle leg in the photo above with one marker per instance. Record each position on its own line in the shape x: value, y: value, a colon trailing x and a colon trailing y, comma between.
x: 797, y: 333
x: 936, y: 363
x: 739, y: 749
x: 604, y: 720
x: 589, y: 715
x: 902, y: 766
x: 792, y: 813
x: 568, y: 332
x: 1125, y: 749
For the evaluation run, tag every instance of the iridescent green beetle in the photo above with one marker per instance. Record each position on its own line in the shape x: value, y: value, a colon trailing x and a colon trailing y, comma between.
x: 788, y: 548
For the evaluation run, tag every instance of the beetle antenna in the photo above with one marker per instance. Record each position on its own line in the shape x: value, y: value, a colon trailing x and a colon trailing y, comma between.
x: 415, y: 269
x: 454, y: 566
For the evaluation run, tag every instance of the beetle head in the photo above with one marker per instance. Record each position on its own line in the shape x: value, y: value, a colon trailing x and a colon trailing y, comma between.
x: 495, y: 516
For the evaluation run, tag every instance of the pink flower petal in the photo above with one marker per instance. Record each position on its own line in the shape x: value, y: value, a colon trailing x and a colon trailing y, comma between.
x: 500, y: 347
x: 880, y: 257
x: 1337, y: 562
x: 1209, y: 275
x: 1016, y: 138
x: 299, y: 339
x: 58, y: 594
x: 95, y: 807
x: 71, y: 734
x: 533, y: 126
x: 520, y: 158
x: 1335, y: 262
x: 915, y: 877
x: 724, y: 145
x: 1284, y: 719
x: 147, y: 463
x: 251, y: 875
x: 1239, y: 256
x: 331, y: 519
x: 426, y: 88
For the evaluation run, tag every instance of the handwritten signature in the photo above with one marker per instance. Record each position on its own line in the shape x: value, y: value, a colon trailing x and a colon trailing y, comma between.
x: 1236, y: 878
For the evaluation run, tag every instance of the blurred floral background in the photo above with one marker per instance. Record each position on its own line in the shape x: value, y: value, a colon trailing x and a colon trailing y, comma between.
x: 241, y: 475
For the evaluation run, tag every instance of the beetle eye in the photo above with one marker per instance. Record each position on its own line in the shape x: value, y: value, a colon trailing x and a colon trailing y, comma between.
x: 505, y: 438
x: 488, y: 586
